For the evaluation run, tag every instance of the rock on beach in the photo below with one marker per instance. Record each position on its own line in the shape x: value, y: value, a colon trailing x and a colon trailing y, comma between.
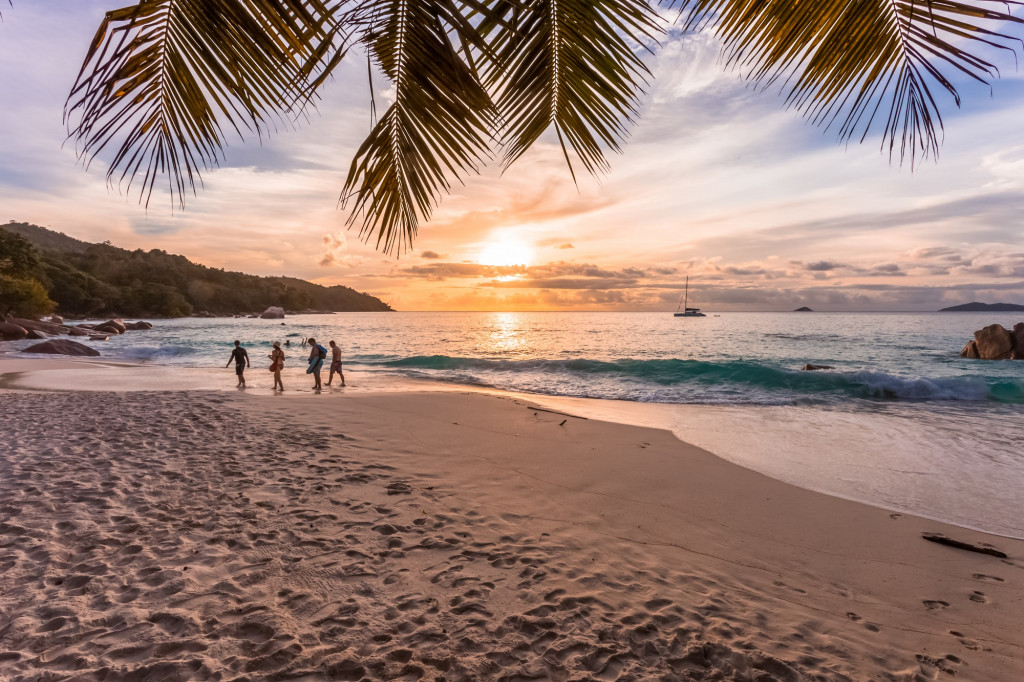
x: 62, y: 347
x: 12, y: 332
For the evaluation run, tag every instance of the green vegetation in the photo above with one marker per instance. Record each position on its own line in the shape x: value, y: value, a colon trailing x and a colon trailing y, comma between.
x: 21, y: 294
x: 100, y: 280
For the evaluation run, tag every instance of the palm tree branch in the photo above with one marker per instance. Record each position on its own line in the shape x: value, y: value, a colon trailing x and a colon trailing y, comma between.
x: 572, y: 66
x: 437, y: 129
x: 841, y: 62
x: 163, y: 77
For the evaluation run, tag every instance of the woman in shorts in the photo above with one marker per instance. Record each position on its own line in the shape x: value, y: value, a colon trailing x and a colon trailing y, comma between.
x: 277, y: 364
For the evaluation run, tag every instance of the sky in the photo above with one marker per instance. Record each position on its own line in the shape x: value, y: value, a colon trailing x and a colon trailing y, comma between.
x: 718, y: 182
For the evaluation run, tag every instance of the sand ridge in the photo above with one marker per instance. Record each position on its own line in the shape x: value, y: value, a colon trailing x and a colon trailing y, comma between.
x: 204, y: 536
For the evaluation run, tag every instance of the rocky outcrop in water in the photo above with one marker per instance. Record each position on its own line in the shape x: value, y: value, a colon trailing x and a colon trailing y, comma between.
x: 112, y: 327
x: 1018, y: 342
x: 996, y: 342
x: 15, y: 328
x: 273, y: 313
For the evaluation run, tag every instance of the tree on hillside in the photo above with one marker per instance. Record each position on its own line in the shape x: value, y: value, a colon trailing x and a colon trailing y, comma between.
x: 21, y: 294
x: 18, y: 258
x: 164, y: 80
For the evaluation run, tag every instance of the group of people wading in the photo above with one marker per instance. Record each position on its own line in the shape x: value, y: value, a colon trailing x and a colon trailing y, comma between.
x: 317, y: 358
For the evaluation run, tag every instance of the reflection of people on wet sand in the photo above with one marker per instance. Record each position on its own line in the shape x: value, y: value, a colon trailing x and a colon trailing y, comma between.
x: 241, y: 358
x: 277, y: 364
x: 317, y: 355
x: 335, y: 364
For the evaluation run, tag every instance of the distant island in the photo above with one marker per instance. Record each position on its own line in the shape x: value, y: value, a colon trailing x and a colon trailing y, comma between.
x: 984, y: 308
x: 805, y: 309
x: 44, y: 271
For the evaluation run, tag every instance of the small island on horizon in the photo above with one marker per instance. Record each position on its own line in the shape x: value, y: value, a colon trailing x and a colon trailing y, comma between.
x: 976, y: 307
x: 804, y: 309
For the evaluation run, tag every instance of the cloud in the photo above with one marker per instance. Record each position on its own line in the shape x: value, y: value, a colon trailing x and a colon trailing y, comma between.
x: 442, y: 271
x: 823, y: 266
x: 562, y: 283
x: 718, y: 181
x: 333, y: 249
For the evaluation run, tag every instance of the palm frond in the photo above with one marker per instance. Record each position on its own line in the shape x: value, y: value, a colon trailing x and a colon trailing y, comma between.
x: 438, y: 127
x: 162, y: 78
x: 845, y: 63
x: 571, y: 65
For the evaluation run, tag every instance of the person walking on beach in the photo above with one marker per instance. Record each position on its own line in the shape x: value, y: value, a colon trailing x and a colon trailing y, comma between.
x: 317, y: 355
x: 335, y: 363
x: 277, y: 364
x: 241, y: 358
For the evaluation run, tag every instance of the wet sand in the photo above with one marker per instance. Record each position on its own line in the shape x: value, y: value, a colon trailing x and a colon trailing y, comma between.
x: 202, y: 535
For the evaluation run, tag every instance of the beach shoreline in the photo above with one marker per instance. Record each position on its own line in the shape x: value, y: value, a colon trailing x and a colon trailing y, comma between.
x: 456, y: 535
x: 870, y: 454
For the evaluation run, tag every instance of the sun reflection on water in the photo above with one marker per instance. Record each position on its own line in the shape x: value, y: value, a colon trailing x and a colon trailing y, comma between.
x: 503, y: 334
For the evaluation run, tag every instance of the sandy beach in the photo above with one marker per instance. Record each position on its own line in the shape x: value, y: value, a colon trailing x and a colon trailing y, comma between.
x: 206, y: 535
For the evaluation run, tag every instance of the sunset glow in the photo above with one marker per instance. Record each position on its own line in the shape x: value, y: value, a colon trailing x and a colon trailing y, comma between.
x: 718, y: 181
x: 506, y: 251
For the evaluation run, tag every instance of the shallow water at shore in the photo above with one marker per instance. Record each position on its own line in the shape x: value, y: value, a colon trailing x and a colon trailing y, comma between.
x: 735, y: 358
x: 902, y: 422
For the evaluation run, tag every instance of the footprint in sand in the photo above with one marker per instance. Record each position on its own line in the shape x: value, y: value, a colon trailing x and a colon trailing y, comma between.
x: 978, y: 597
x: 935, y: 604
x: 987, y: 578
x: 967, y: 643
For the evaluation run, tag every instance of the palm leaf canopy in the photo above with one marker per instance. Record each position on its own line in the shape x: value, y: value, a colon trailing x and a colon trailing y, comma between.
x: 477, y: 79
x: 855, y: 64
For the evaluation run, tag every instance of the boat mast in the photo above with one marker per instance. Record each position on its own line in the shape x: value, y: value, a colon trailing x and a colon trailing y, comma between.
x: 686, y: 294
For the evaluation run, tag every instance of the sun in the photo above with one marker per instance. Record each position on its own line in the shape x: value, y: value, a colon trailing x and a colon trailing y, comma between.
x: 505, y: 251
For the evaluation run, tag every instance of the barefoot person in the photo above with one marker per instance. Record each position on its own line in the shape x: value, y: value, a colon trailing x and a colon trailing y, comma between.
x: 335, y: 363
x: 241, y: 358
x: 317, y: 355
x: 277, y: 364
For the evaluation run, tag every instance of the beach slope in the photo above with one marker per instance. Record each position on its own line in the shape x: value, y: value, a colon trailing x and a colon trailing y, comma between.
x: 206, y: 535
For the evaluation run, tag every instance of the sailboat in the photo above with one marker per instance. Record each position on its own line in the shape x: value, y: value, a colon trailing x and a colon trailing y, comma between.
x: 681, y: 309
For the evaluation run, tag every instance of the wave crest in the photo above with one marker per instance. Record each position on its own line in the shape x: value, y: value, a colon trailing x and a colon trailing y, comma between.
x: 739, y: 381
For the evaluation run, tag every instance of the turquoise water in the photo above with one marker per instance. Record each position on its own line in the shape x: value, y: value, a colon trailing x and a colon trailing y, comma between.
x: 735, y: 358
x: 901, y: 421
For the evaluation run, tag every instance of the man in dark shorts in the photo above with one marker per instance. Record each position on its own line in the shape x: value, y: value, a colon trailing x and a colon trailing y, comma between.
x: 241, y: 358
x: 335, y: 364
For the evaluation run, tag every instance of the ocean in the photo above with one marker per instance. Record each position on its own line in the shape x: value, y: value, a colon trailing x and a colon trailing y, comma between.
x: 901, y: 422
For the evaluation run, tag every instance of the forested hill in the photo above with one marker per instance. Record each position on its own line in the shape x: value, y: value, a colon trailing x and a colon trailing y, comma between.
x: 102, y: 280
